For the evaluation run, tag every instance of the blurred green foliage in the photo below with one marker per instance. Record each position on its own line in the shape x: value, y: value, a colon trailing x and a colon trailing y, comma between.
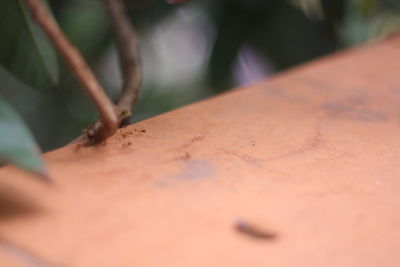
x: 17, y: 145
x: 24, y: 49
x: 189, y: 51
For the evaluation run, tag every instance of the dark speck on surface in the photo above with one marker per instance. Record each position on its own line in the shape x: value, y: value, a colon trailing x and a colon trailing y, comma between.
x: 254, y: 231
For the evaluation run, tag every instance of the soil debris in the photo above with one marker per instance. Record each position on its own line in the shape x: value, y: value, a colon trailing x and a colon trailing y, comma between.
x: 127, y: 144
x: 125, y: 133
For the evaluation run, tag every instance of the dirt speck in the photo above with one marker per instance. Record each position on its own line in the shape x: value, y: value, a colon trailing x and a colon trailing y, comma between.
x: 247, y: 158
x: 185, y: 157
x: 254, y: 231
x: 126, y: 144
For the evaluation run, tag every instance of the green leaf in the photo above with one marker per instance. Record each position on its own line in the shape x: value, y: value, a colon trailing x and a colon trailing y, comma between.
x: 17, y: 145
x: 24, y: 49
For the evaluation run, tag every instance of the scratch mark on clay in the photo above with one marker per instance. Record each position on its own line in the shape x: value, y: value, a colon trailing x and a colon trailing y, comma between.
x: 249, y: 159
x: 311, y: 144
x: 196, y: 169
x: 191, y: 142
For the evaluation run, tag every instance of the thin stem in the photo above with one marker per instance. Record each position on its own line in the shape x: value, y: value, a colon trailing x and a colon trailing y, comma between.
x: 128, y: 48
x: 77, y: 65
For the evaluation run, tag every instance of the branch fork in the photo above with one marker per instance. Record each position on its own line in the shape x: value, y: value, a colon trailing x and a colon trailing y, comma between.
x: 112, y: 116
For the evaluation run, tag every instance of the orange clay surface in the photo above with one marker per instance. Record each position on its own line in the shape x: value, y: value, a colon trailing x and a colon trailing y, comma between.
x: 299, y: 170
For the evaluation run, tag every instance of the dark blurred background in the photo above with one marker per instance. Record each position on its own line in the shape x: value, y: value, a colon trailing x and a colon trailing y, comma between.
x: 191, y: 51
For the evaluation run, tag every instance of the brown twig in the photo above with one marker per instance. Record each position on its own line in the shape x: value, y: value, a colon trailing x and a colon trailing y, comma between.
x: 128, y: 48
x: 78, y: 66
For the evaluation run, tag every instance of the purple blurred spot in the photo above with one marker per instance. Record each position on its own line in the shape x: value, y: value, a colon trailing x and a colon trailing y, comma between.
x: 249, y: 67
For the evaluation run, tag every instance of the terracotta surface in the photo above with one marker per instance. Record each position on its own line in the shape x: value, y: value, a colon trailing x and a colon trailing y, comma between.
x: 300, y: 170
